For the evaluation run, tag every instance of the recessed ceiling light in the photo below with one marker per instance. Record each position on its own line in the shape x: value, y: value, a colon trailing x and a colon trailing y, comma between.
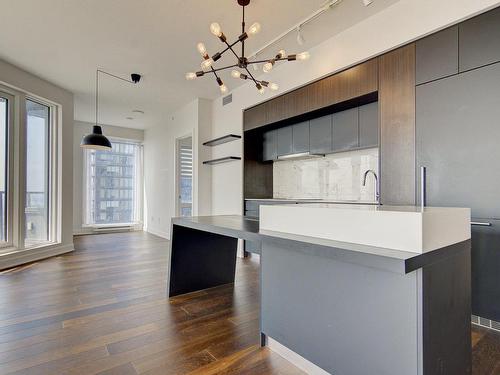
x: 138, y: 112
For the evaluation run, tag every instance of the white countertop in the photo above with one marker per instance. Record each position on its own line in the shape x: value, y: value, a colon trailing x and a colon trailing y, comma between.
x: 404, y: 228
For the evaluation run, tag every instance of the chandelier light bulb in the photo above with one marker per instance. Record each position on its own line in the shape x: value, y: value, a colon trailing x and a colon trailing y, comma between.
x: 201, y: 49
x: 267, y: 67
x: 303, y: 56
x: 235, y: 74
x: 223, y: 88
x: 207, y: 63
x: 273, y: 86
x: 281, y: 53
x: 254, y: 29
x: 215, y: 29
x: 190, y: 76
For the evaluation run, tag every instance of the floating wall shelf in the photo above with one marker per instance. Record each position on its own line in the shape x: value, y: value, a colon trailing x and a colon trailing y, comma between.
x: 222, y: 160
x: 221, y: 140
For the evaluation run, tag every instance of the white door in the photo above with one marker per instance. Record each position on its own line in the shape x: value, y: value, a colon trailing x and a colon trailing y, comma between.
x: 184, y: 176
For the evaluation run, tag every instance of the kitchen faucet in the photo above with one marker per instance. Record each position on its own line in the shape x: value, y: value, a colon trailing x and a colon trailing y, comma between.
x: 377, y: 192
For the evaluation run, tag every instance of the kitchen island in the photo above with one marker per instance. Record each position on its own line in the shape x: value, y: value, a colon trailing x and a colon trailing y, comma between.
x: 346, y: 289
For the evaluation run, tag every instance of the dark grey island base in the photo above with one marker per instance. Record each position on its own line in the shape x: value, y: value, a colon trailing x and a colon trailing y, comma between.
x: 340, y: 306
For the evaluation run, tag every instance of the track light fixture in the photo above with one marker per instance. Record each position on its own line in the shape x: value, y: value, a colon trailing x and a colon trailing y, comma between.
x: 242, y: 61
x: 300, y: 37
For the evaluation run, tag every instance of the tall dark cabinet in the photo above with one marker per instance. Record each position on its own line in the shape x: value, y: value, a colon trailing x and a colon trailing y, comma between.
x: 457, y: 140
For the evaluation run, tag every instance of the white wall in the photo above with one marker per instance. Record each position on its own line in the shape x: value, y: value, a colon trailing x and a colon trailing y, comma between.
x: 28, y: 83
x: 80, y: 130
x: 159, y: 165
x: 397, y: 25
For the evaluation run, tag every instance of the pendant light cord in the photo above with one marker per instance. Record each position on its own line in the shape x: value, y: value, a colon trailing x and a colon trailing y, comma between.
x: 97, y: 97
x: 97, y: 89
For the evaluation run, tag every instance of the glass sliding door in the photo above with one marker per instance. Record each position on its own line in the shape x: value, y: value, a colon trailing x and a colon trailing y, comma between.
x: 37, y: 205
x: 4, y: 125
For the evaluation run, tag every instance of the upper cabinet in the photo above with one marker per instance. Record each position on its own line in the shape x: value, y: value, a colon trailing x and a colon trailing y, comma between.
x: 345, y: 130
x: 300, y: 137
x: 270, y: 147
x: 320, y: 135
x: 285, y: 141
x: 368, y: 125
x: 480, y: 41
x: 437, y: 56
x: 348, y: 84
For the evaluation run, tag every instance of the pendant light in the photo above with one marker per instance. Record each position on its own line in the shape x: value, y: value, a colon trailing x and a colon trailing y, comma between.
x: 96, y: 140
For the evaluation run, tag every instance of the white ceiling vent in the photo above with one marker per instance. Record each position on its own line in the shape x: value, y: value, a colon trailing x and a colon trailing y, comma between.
x: 227, y: 99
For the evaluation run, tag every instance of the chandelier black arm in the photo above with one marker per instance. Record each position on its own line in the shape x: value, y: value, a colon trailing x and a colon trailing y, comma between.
x: 230, y: 47
x: 219, y: 69
x: 264, y: 61
x: 251, y: 75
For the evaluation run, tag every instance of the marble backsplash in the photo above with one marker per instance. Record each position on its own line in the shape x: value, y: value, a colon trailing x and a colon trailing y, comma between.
x: 335, y: 176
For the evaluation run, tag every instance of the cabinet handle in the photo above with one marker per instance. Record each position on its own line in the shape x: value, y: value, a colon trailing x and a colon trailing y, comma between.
x: 480, y: 223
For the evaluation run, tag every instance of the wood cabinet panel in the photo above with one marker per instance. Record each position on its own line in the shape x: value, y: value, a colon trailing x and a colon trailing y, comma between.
x: 397, y: 125
x: 349, y: 84
x: 254, y: 117
x: 275, y: 110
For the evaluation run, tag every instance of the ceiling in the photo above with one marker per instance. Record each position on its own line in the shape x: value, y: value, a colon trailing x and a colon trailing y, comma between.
x: 64, y: 41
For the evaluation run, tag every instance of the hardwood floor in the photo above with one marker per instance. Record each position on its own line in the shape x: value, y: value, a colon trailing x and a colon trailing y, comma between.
x: 103, y: 310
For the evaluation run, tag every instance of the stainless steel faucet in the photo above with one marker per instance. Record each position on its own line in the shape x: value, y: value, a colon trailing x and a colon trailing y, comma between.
x: 377, y: 191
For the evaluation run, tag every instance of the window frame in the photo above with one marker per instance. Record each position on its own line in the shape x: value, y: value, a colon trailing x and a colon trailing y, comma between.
x: 139, y: 183
x: 52, y: 150
x: 10, y: 170
x: 18, y: 169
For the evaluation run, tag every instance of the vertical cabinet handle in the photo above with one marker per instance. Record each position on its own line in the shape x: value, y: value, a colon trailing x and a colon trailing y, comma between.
x: 480, y: 223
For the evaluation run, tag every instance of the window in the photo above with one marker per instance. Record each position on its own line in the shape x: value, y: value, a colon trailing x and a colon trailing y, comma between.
x: 113, y: 180
x: 4, y: 121
x: 37, y: 204
x: 29, y: 176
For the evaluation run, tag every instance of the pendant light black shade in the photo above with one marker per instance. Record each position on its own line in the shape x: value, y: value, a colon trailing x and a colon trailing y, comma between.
x: 96, y: 140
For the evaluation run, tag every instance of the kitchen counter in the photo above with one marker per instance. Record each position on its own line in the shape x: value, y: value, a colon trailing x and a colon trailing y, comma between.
x: 352, y: 289
x: 311, y: 200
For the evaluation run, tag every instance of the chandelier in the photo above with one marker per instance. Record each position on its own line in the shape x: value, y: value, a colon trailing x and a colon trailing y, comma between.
x: 242, y: 62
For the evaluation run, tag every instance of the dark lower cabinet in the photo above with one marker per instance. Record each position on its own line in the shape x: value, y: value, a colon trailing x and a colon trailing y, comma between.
x: 486, y: 269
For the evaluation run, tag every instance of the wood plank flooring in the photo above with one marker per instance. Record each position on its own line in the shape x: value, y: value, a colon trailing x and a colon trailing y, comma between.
x: 103, y: 310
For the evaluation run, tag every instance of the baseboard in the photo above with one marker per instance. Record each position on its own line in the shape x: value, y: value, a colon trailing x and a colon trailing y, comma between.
x: 158, y: 233
x: 294, y: 358
x: 30, y: 255
x: 485, y: 323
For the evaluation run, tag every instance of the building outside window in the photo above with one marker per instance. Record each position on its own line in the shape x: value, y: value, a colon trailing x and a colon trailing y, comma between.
x: 114, y: 185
